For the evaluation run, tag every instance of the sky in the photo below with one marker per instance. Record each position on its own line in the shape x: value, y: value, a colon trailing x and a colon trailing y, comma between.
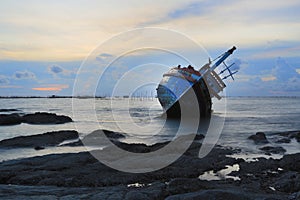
x: 54, y: 47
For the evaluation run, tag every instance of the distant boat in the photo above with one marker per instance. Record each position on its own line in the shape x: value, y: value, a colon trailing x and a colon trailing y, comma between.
x: 180, y: 85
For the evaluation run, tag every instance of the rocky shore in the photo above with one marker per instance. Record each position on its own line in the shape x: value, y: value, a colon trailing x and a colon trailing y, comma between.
x: 81, y: 176
x: 34, y: 118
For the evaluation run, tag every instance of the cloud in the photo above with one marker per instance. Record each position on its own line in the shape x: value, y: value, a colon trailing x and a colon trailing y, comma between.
x: 268, y: 78
x: 4, y: 80
x: 104, y: 58
x: 24, y: 75
x: 298, y: 71
x: 57, y: 70
x: 105, y: 55
x: 283, y: 71
x: 11, y: 86
x: 53, y: 87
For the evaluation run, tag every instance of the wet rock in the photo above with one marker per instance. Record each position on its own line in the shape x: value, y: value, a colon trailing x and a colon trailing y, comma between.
x: 185, y: 185
x: 289, y: 182
x: 39, y: 148
x: 274, y: 150
x: 297, y: 136
x: 283, y: 140
x: 220, y: 194
x: 10, y: 119
x: 135, y: 195
x: 291, y: 162
x: 9, y: 110
x: 45, y: 118
x: 108, y: 133
x: 80, y: 175
x: 291, y: 135
x: 95, y: 138
x: 259, y: 138
x: 40, y: 140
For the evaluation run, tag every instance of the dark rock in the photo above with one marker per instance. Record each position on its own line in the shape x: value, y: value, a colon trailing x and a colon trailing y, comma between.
x: 9, y: 110
x: 39, y: 148
x: 112, y: 134
x: 10, y: 119
x: 271, y: 149
x: 283, y: 140
x: 81, y: 176
x: 291, y: 162
x: 63, y: 169
x: 136, y: 195
x: 40, y: 140
x: 185, y: 185
x: 259, y: 138
x: 288, y: 182
x: 95, y: 138
x: 297, y: 136
x: 45, y: 118
x: 291, y: 135
x: 222, y: 193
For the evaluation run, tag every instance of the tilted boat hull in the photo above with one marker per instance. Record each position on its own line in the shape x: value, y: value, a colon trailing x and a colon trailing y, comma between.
x: 195, y: 101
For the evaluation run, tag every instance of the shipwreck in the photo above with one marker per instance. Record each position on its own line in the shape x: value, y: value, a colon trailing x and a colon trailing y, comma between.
x: 184, y: 88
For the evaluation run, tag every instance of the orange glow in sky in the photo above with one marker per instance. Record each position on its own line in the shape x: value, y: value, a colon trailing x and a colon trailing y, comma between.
x: 47, y: 89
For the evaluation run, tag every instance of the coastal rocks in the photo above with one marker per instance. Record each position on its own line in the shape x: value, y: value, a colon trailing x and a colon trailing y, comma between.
x: 217, y: 194
x: 63, y: 169
x: 40, y: 141
x: 9, y: 110
x: 259, y: 138
x: 95, y: 138
x: 283, y: 140
x: 289, y: 182
x: 291, y: 162
x: 81, y: 176
x: 45, y: 118
x: 186, y: 185
x: 295, y: 134
x: 10, y: 119
x: 275, y: 150
x: 39, y: 148
x: 35, y: 118
x: 290, y: 135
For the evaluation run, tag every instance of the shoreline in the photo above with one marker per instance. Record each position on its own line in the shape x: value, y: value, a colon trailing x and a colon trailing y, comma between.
x: 86, y: 177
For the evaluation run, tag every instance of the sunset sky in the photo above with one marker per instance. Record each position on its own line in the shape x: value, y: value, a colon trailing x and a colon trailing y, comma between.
x: 43, y: 43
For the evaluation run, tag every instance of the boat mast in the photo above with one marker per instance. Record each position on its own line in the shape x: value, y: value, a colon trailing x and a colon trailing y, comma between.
x: 226, y: 54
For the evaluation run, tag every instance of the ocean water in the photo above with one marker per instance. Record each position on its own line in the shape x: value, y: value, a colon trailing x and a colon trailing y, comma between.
x: 141, y: 120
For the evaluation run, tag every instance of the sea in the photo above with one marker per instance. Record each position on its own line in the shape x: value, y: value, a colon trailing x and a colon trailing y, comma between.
x: 141, y: 119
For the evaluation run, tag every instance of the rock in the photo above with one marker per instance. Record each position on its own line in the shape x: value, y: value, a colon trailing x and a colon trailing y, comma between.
x: 39, y: 148
x: 259, y: 138
x: 135, y: 195
x: 95, y: 138
x: 222, y: 193
x: 10, y: 119
x: 271, y: 149
x: 81, y: 176
x: 283, y: 140
x: 40, y: 140
x: 45, y: 118
x: 291, y: 162
x: 112, y: 134
x: 9, y: 110
x: 288, y: 182
x: 185, y: 185
x: 291, y: 135
x: 297, y: 136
